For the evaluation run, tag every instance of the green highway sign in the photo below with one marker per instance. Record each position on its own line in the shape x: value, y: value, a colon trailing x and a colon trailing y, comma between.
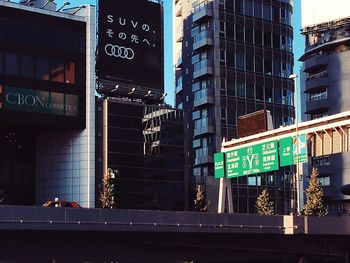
x: 219, y: 165
x: 286, y: 151
x: 302, y: 156
x: 254, y: 159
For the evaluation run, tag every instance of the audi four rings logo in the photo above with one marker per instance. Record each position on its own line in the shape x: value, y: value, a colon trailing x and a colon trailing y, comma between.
x: 119, y: 52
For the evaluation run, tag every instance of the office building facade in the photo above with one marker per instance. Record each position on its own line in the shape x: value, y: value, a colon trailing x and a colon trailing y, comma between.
x: 324, y: 92
x: 144, y: 145
x: 47, y: 103
x: 233, y: 58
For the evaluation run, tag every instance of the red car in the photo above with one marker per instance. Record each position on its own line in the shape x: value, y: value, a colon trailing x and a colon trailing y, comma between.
x: 58, y: 203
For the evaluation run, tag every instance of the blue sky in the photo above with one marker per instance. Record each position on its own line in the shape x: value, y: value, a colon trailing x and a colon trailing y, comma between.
x: 168, y: 68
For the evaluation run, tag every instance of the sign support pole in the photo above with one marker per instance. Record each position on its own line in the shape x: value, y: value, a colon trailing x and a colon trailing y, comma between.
x: 295, y: 78
x: 225, y: 190
x: 221, y: 204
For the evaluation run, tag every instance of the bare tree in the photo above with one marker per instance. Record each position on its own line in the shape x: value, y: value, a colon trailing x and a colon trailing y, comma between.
x: 199, y: 202
x: 107, y: 196
x: 263, y: 204
x: 314, y: 205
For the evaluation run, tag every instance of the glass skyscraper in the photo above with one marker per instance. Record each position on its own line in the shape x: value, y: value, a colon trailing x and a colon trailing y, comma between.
x: 233, y: 57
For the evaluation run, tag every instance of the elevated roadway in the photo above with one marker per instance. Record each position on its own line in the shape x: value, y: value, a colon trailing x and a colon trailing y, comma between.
x: 35, y: 234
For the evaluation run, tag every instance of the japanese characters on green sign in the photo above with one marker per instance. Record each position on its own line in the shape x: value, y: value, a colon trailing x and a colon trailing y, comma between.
x: 257, y: 158
x: 302, y: 155
x: 219, y: 165
x: 286, y: 151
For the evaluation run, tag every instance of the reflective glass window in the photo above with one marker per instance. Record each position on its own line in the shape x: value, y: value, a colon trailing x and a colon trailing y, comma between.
x: 276, y: 14
x: 196, y: 115
x: 259, y: 64
x: 240, y: 89
x: 70, y: 72
x: 267, y: 12
x: 250, y: 62
x: 277, y: 68
x: 259, y: 91
x: 27, y: 66
x: 284, y: 16
x: 258, y: 37
x: 229, y: 5
x: 240, y: 61
x: 239, y: 32
x: 57, y: 70
x: 276, y: 41
x: 230, y: 59
x: 249, y: 34
x: 230, y: 30
x: 42, y: 69
x: 252, y: 180
x: 267, y: 66
x: 268, y: 93
x: 277, y: 92
x: 250, y: 90
x: 1, y: 62
x: 11, y: 64
x: 239, y: 6
x: 196, y: 143
x: 267, y: 39
x: 231, y: 88
x: 248, y: 7
x: 257, y: 9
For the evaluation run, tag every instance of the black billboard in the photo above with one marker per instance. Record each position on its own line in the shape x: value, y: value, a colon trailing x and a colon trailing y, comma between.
x: 130, y: 43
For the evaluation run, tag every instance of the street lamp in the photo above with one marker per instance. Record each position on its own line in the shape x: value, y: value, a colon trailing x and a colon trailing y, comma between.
x: 64, y: 4
x: 295, y: 78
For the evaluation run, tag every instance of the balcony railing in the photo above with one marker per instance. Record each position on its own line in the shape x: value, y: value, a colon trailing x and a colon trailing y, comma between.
x: 179, y: 59
x: 203, y: 38
x: 315, y: 62
x: 318, y: 96
x: 179, y: 85
x: 318, y: 106
x: 317, y: 82
x: 202, y: 68
x: 204, y: 126
x: 202, y: 97
x: 204, y: 159
x: 202, y: 10
x: 323, y: 74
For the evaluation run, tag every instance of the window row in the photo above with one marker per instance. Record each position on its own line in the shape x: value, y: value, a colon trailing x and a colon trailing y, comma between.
x: 200, y: 171
x: 203, y: 142
x: 202, y: 152
x: 315, y: 116
x: 321, y: 73
x: 255, y: 64
x: 281, y: 115
x: 258, y: 37
x: 203, y: 113
x: 280, y: 178
x: 318, y: 95
x: 201, y: 123
x: 258, y: 91
x: 204, y: 84
x: 260, y: 10
x: 42, y: 68
x: 43, y: 35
